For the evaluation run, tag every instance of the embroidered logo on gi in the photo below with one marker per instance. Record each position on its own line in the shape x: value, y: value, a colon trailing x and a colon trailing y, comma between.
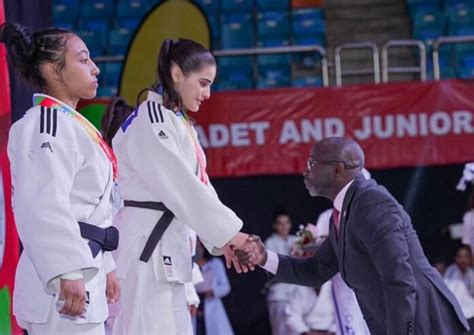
x: 46, y: 145
x: 167, y: 260
x: 162, y: 135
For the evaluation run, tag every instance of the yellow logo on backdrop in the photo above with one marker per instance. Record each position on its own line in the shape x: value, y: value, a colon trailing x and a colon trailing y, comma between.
x: 171, y: 19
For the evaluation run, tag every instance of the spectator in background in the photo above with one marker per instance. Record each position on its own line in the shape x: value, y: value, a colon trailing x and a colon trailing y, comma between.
x: 311, y: 311
x: 212, y: 317
x: 281, y: 242
x: 468, y: 222
x: 461, y: 269
x: 458, y: 277
x: 440, y: 265
x: 332, y: 309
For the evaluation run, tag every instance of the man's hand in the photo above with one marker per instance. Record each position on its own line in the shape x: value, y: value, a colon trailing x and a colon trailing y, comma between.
x: 253, y: 252
x: 231, y: 260
x: 73, y: 293
x: 112, y: 290
x: 239, y: 241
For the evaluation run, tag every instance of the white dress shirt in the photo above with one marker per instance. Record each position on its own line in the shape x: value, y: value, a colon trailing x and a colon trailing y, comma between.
x: 271, y: 265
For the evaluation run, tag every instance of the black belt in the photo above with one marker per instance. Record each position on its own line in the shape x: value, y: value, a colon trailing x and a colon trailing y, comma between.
x: 160, y: 227
x: 99, y: 238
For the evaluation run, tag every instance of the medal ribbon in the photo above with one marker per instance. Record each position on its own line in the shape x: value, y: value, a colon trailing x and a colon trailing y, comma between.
x: 94, y: 134
x: 201, y: 157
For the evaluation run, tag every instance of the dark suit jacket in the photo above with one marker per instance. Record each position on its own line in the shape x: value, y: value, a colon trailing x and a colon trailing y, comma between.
x: 380, y: 257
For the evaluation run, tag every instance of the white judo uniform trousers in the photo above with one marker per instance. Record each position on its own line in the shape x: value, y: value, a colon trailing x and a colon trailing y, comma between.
x: 157, y: 162
x: 60, y: 177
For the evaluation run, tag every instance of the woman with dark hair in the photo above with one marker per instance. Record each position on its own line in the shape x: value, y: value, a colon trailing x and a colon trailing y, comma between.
x: 166, y: 193
x: 63, y: 174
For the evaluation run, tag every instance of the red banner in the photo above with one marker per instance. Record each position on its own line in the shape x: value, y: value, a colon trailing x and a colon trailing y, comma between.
x: 11, y: 245
x: 397, y: 125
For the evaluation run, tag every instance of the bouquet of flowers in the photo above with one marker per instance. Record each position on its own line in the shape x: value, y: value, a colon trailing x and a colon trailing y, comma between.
x: 307, y: 240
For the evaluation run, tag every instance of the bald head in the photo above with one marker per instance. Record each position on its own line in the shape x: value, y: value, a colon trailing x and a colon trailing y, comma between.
x: 333, y: 163
x: 340, y: 149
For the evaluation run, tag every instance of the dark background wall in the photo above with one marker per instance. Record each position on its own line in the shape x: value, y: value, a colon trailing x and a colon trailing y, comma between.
x: 427, y: 193
x: 33, y: 14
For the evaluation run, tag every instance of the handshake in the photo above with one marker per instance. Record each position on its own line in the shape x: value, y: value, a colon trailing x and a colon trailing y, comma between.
x: 244, y: 252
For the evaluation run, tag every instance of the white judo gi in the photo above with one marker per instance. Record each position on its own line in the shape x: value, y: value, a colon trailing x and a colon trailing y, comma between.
x: 60, y: 177
x: 157, y: 159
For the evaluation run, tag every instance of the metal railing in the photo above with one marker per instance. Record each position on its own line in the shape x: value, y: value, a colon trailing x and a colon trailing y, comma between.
x: 446, y: 40
x: 279, y: 50
x: 387, y: 69
x: 375, y: 70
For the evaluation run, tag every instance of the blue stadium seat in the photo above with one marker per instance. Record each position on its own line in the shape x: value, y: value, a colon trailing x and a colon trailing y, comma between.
x: 232, y: 85
x: 273, y: 77
x: 97, y: 25
x: 308, y: 21
x: 65, y: 25
x: 461, y: 31
x: 214, y: 26
x: 153, y: 3
x: 130, y: 23
x: 314, y: 13
x: 107, y: 91
x: 272, y: 4
x: 132, y: 8
x: 461, y: 21
x: 237, y: 31
x: 103, y: 9
x: 308, y: 59
x: 237, y: 5
x: 411, y: 2
x: 428, y: 34
x: 119, y: 39
x: 234, y: 60
x: 447, y: 68
x: 235, y: 72
x: 466, y: 68
x: 466, y: 73
x: 275, y: 59
x: 310, y: 40
x: 423, y: 6
x: 429, y: 20
x: 307, y: 81
x: 463, y: 49
x: 272, y: 42
x: 458, y: 4
x: 65, y: 10
x: 273, y: 23
x: 273, y: 71
x: 110, y: 74
x: 210, y: 7
x: 95, y: 41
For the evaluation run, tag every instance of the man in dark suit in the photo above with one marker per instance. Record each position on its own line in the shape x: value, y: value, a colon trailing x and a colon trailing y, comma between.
x: 373, y: 245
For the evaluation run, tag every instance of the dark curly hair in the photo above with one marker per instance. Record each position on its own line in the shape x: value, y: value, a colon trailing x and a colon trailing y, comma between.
x: 27, y: 51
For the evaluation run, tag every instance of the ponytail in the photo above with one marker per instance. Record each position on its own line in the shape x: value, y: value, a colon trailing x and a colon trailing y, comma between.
x: 116, y: 113
x: 189, y: 56
x: 172, y: 99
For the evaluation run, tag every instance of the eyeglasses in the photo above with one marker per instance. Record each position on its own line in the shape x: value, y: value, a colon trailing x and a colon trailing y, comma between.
x: 311, y: 162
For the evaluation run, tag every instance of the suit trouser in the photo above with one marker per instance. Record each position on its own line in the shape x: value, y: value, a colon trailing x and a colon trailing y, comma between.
x: 149, y: 306
x: 59, y: 325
